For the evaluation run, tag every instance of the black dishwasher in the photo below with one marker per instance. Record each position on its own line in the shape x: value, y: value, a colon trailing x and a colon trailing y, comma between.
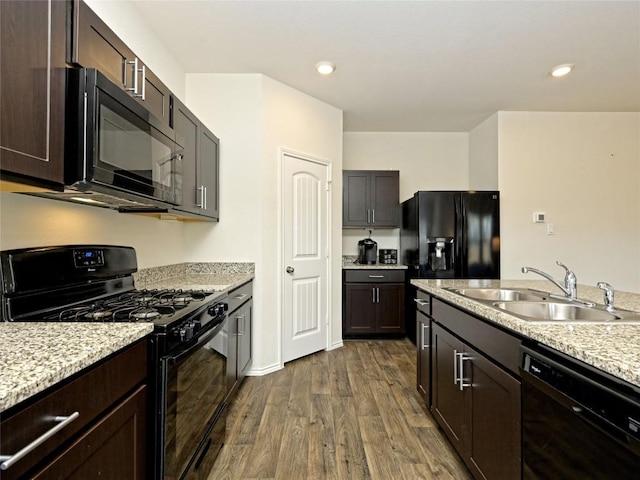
x: 578, y: 421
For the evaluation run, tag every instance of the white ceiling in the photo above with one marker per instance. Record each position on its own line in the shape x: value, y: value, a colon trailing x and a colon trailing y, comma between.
x: 436, y: 66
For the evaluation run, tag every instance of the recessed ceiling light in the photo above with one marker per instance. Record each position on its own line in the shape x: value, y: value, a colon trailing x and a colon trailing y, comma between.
x: 325, y: 68
x: 561, y: 70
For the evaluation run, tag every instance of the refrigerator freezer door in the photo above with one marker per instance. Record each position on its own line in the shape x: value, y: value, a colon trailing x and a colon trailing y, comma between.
x: 479, y: 235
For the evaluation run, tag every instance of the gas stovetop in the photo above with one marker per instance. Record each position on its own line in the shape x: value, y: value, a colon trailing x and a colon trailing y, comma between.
x: 158, y: 306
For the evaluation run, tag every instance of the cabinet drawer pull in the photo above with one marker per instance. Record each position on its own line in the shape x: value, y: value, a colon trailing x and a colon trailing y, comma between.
x: 200, y: 196
x: 8, y: 460
x: 240, y: 296
x: 420, y: 302
x: 461, y: 358
x: 376, y: 276
x: 425, y: 327
x: 241, y: 332
x: 455, y: 367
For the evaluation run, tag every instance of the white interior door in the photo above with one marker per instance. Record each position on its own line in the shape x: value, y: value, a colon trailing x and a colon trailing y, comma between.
x: 305, y: 256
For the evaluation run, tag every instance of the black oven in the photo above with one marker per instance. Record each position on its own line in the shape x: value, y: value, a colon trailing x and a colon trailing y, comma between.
x: 578, y: 422
x: 192, y: 412
x: 114, y: 146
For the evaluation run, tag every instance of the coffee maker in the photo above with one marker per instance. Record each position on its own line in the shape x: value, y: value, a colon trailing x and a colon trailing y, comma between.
x: 367, y: 251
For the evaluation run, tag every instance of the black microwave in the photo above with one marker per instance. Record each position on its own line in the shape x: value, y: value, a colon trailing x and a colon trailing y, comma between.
x: 117, y: 152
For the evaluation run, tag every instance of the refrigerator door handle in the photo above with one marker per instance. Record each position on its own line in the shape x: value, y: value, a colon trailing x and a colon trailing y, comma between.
x: 459, y: 247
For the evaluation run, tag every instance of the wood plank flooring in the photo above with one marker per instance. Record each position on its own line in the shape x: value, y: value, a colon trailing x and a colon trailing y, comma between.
x: 351, y: 413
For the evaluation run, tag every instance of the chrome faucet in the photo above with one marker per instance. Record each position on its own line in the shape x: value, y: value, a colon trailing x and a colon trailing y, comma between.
x: 570, y: 287
x: 608, y: 294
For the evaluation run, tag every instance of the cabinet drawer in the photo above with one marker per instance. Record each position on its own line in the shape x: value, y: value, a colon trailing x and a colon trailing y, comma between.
x: 90, y: 394
x: 423, y: 302
x: 492, y: 341
x: 366, y: 275
x: 240, y: 295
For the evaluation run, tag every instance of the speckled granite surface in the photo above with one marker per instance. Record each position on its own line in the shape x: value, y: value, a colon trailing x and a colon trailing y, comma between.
x: 612, y: 348
x: 149, y: 276
x: 35, y: 356
x: 214, y: 282
x: 348, y: 262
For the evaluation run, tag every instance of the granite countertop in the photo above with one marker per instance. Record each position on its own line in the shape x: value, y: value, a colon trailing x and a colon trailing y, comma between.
x: 35, y: 356
x: 210, y: 282
x: 612, y: 348
x: 349, y: 263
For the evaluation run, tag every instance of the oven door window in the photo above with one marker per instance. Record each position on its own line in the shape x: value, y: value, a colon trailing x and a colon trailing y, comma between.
x: 131, y: 154
x: 196, y: 389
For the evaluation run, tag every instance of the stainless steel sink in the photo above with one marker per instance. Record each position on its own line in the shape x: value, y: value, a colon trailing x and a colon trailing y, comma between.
x: 537, y: 306
x: 565, y: 312
x: 502, y: 294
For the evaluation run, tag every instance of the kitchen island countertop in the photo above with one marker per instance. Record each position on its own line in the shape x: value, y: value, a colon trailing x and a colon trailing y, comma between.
x: 35, y: 356
x: 612, y: 348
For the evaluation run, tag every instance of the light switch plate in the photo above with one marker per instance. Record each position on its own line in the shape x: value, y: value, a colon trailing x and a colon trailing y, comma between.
x: 538, y: 217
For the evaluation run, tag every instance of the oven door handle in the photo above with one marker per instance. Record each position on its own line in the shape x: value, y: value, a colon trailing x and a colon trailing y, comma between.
x: 202, y: 339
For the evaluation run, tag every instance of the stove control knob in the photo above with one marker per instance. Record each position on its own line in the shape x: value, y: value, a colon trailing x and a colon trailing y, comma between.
x: 188, y: 329
x: 180, y: 332
x: 196, y: 326
x: 218, y: 309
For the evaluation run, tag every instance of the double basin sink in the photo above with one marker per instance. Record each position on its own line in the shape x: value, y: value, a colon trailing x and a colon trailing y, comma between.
x: 537, y: 306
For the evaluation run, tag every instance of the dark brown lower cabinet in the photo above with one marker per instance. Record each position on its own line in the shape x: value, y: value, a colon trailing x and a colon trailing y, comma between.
x: 373, y: 308
x: 105, y: 434
x: 477, y: 404
x: 113, y: 449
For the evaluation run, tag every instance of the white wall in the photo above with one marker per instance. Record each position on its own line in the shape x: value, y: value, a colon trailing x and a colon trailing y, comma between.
x: 27, y: 221
x: 583, y: 171
x: 254, y: 117
x: 483, y: 155
x: 305, y: 125
x: 426, y: 161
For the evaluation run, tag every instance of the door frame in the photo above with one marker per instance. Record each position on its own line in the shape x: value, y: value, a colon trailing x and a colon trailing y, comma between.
x: 282, y: 152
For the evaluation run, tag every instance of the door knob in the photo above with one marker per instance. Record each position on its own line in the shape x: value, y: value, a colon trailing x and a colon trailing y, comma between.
x: 290, y: 270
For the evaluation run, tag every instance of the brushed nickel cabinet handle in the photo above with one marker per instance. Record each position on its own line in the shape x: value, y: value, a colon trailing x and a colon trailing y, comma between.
x: 455, y: 367
x: 461, y: 358
x: 8, y: 460
x: 425, y: 328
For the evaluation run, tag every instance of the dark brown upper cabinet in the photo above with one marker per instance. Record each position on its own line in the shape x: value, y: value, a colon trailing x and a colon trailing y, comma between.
x: 200, y: 165
x: 94, y: 45
x: 32, y: 92
x: 370, y: 198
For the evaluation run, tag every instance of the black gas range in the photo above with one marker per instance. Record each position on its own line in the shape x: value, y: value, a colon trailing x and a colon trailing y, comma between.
x: 94, y: 283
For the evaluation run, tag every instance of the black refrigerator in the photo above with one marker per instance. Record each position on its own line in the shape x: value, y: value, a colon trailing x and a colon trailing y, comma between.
x: 451, y: 234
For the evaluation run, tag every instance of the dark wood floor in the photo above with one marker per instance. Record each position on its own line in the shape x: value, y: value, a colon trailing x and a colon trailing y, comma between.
x: 351, y: 413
